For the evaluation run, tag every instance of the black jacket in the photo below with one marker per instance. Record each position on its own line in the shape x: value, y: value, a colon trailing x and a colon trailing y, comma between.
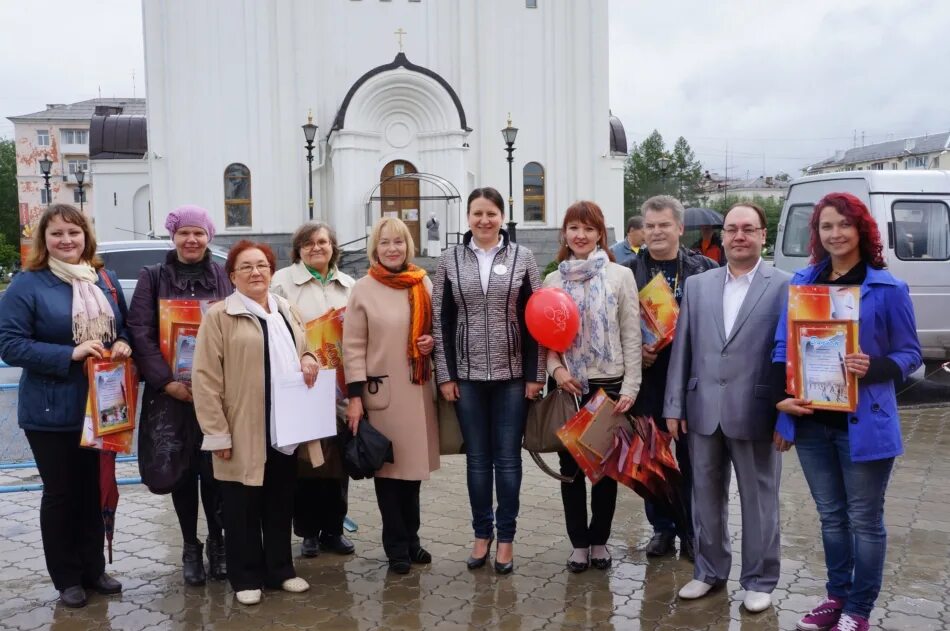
x: 650, y: 399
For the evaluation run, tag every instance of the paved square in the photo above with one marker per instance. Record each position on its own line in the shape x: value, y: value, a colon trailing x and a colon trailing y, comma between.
x: 357, y: 592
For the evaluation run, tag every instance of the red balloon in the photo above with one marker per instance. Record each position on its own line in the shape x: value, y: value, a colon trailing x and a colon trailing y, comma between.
x: 552, y: 318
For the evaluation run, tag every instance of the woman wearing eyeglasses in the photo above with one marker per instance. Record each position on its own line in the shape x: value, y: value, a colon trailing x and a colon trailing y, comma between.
x: 245, y: 343
x: 314, y: 285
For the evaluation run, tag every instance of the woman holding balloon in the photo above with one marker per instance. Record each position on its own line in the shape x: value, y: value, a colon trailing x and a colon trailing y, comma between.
x: 605, y: 354
x: 488, y: 364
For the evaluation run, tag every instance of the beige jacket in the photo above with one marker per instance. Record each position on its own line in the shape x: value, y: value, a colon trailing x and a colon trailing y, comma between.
x: 228, y: 386
x: 311, y: 297
x: 623, y: 318
x: 375, y: 336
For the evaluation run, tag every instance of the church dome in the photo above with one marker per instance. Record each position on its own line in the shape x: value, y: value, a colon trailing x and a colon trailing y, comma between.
x: 618, y: 137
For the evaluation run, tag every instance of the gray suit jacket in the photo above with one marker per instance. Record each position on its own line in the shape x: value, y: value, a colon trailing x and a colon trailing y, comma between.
x: 717, y: 382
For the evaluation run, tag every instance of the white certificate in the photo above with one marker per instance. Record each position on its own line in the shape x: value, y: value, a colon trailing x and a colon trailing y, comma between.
x: 301, y: 413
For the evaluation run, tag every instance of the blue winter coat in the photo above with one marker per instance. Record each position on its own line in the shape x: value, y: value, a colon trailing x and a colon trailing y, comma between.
x: 36, y: 334
x: 887, y: 328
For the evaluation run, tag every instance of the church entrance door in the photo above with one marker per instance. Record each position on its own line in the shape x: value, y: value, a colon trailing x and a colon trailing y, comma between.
x: 399, y: 197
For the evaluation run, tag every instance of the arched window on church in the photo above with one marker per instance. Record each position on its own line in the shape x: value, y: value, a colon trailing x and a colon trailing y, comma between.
x: 237, y: 196
x: 533, y: 177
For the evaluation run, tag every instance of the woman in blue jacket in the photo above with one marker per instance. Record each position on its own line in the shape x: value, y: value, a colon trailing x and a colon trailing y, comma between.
x: 63, y: 309
x: 847, y: 458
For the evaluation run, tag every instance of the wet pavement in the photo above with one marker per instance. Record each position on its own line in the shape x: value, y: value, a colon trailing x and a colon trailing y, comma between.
x: 356, y: 592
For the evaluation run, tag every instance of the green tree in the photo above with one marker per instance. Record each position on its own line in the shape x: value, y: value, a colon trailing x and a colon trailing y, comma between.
x: 9, y: 215
x: 643, y: 177
x: 685, y: 173
x: 772, y: 207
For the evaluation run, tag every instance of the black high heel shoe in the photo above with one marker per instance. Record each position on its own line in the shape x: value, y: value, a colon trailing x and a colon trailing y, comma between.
x: 474, y: 563
x: 504, y: 568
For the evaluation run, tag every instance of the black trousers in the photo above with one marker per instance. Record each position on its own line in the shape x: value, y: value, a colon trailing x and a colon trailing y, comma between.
x: 399, y: 506
x: 257, y: 526
x: 320, y: 506
x: 603, y: 495
x: 185, y: 498
x: 70, y: 516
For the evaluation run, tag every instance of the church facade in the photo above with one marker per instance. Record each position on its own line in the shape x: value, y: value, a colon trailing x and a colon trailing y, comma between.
x: 409, y: 97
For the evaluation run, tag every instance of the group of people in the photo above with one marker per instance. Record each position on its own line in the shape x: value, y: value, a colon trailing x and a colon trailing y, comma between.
x: 719, y: 391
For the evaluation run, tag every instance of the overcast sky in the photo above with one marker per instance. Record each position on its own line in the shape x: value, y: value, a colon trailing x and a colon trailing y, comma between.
x: 781, y: 84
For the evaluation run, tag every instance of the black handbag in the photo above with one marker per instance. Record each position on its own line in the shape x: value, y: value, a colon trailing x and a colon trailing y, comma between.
x: 168, y: 441
x: 365, y: 453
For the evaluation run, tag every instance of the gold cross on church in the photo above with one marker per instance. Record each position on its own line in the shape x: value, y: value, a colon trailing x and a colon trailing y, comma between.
x: 399, y: 33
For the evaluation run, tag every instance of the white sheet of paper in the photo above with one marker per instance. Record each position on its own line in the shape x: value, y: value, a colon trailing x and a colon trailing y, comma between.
x: 302, y: 413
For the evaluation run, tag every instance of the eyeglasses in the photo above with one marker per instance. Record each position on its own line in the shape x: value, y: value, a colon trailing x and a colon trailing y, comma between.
x: 748, y: 231
x: 307, y: 247
x: 247, y: 269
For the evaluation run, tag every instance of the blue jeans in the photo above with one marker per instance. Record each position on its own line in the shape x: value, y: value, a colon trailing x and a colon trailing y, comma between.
x: 492, y: 417
x: 850, y: 500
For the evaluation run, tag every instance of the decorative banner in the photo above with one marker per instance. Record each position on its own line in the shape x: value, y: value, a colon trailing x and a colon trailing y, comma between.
x: 27, y: 225
x: 827, y: 317
x: 178, y: 322
x: 325, y: 341
x: 658, y: 313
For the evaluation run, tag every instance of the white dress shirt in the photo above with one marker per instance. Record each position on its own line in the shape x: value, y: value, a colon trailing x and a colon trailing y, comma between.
x: 734, y: 293
x: 485, y: 259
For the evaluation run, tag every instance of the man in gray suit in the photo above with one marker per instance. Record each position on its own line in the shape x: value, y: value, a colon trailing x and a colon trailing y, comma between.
x: 718, y: 397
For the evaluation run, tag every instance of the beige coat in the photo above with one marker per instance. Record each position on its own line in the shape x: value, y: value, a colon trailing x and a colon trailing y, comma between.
x: 623, y: 319
x: 375, y: 337
x: 228, y: 386
x: 311, y: 297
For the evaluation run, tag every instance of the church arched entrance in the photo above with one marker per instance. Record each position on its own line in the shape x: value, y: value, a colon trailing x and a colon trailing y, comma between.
x: 399, y: 197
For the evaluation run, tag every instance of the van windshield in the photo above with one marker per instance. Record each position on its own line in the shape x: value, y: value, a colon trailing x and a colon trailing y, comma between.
x: 921, y: 230
x: 795, y: 241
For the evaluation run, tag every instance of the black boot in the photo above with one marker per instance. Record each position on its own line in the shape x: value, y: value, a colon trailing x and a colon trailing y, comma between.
x: 193, y: 565
x: 217, y: 564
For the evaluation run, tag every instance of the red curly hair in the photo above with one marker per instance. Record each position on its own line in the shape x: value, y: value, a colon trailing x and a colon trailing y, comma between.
x: 244, y: 244
x: 869, y: 237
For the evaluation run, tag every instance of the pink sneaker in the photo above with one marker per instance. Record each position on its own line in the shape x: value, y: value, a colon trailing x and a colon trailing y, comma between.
x: 850, y: 622
x: 822, y: 617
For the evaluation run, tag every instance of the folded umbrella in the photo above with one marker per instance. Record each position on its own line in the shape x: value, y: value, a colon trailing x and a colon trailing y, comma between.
x: 365, y: 453
x: 108, y: 494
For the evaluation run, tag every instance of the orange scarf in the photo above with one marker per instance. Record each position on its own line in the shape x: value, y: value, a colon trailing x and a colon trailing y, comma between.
x: 420, y: 313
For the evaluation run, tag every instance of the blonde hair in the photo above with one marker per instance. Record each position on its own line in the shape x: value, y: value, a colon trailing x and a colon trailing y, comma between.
x: 396, y: 226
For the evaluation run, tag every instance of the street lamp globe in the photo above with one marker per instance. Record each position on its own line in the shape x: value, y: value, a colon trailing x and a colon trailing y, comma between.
x: 509, y: 133
x: 46, y: 165
x: 663, y: 163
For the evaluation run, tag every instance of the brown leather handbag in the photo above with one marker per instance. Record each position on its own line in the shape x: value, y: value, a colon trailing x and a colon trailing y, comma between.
x: 450, y: 432
x: 545, y: 417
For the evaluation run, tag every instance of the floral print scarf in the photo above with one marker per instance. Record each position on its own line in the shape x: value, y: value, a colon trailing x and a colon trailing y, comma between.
x: 586, y: 282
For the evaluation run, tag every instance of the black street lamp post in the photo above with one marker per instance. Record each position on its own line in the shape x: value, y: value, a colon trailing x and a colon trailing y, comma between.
x: 310, y: 132
x: 664, y: 164
x: 509, y: 133
x: 46, y: 165
x: 80, y: 182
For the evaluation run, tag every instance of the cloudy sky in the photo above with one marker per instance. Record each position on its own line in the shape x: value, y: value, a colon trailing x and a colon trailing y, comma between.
x: 777, y: 85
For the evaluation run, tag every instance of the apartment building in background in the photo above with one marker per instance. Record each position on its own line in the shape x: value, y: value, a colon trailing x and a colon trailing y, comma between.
x: 60, y: 133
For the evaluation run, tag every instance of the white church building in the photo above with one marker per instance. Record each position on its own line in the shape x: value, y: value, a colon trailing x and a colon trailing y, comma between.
x: 409, y: 97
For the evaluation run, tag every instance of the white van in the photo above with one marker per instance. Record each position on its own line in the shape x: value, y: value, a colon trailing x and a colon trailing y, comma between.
x: 912, y: 209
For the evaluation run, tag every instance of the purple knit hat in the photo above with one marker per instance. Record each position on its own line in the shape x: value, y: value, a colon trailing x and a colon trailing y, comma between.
x: 194, y: 216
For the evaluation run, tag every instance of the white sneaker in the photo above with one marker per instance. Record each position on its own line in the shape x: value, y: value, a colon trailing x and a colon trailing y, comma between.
x: 694, y: 589
x: 757, y: 601
x: 295, y: 585
x: 249, y: 596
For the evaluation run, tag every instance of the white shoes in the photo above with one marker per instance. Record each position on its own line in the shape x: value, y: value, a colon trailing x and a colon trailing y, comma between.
x: 757, y: 601
x: 295, y: 585
x: 248, y: 596
x: 694, y: 589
